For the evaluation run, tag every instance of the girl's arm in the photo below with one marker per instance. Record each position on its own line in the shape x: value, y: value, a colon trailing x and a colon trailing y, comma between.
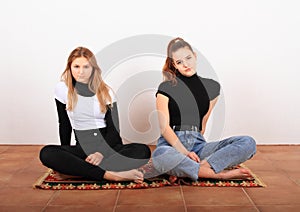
x: 212, y: 104
x: 65, y: 128
x: 112, y: 124
x: 166, y: 130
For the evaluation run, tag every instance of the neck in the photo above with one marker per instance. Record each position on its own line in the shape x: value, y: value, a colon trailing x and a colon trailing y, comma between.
x: 83, y: 89
x: 179, y: 75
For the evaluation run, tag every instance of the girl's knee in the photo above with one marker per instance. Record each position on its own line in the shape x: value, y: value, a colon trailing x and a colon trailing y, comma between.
x: 162, y: 150
x: 142, y: 150
x: 145, y: 150
x: 46, y: 153
x: 161, y: 158
x: 250, y: 145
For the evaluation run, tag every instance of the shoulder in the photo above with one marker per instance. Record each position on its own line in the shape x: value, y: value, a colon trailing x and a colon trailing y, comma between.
x: 165, y: 88
x: 166, y: 85
x: 210, y: 83
x: 61, y: 92
x: 212, y: 87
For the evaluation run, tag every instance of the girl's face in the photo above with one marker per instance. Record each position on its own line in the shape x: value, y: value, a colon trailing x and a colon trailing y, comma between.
x: 81, y: 69
x: 185, y: 61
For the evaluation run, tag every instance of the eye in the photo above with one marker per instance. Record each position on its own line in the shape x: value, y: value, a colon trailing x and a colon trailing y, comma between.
x: 86, y: 66
x: 76, y: 66
x: 178, y: 62
x: 188, y: 57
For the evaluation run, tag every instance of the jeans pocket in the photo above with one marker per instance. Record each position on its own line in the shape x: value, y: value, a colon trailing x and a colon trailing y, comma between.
x: 187, y: 139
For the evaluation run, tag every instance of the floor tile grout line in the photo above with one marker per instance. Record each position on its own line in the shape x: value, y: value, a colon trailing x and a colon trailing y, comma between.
x: 247, y: 195
x: 184, y: 204
x: 284, y: 172
x: 13, y: 173
x: 25, y: 167
x: 3, y: 150
x: 48, y: 203
x: 50, y: 199
x: 117, y: 199
x: 297, y: 184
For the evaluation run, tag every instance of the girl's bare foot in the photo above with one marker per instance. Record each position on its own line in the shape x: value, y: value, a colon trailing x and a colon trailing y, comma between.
x: 240, y: 173
x: 206, y: 171
x: 131, y: 175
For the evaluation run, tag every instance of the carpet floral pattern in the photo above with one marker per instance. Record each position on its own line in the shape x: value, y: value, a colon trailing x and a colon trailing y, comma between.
x: 48, y: 181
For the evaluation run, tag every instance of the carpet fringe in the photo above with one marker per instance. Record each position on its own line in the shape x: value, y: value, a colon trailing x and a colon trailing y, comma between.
x: 40, y: 180
x: 257, y: 179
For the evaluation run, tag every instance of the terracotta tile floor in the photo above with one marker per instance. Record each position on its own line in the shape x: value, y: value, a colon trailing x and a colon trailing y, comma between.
x: 277, y: 166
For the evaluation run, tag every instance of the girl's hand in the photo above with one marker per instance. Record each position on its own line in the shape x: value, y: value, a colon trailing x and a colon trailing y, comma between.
x: 94, y: 159
x: 194, y: 156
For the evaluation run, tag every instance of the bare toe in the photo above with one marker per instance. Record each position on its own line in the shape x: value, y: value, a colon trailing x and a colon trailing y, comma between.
x: 172, y: 179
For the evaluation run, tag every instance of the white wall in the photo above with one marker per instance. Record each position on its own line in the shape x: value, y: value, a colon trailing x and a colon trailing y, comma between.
x: 253, y: 47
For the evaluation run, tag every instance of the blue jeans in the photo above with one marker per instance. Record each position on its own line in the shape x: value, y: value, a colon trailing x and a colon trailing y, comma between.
x: 219, y: 154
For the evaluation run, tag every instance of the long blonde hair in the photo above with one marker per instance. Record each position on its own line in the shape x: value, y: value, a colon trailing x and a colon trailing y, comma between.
x: 95, y: 84
x: 169, y: 70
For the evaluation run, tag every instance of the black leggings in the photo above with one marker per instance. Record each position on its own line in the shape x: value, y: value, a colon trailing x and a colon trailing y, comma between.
x: 70, y: 160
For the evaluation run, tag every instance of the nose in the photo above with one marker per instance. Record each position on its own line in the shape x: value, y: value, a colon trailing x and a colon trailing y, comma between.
x: 184, y: 63
x: 80, y: 71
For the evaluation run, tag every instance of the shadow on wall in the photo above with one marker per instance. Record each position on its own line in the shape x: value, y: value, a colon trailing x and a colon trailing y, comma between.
x: 137, y: 108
